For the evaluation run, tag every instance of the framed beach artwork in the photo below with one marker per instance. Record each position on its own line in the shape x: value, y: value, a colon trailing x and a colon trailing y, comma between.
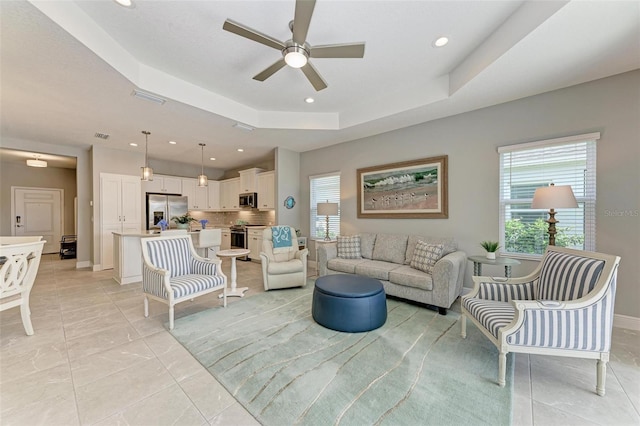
x: 410, y: 189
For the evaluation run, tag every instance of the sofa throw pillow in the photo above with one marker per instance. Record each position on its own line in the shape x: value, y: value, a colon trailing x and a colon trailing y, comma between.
x: 349, y: 247
x: 425, y: 256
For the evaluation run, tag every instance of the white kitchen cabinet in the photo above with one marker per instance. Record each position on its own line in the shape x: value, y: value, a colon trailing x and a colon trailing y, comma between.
x: 267, y: 190
x: 214, y: 195
x: 163, y: 184
x: 119, y: 211
x: 198, y: 196
x: 226, y: 239
x: 229, y: 191
x: 255, y: 243
x: 248, y: 180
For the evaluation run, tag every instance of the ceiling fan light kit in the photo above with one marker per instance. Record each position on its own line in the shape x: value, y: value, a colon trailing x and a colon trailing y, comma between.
x: 36, y: 162
x: 296, y: 52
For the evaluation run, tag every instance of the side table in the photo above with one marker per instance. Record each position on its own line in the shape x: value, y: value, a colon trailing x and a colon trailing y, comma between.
x: 479, y: 260
x: 317, y: 243
x: 233, y: 253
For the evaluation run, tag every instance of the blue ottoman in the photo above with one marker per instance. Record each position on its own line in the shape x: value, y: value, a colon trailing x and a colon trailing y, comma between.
x: 349, y: 303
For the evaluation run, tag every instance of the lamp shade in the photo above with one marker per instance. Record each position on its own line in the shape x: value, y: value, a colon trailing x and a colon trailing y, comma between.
x: 554, y: 197
x: 327, y: 209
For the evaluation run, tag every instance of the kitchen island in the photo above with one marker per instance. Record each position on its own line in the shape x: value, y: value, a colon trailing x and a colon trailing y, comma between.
x: 127, y: 254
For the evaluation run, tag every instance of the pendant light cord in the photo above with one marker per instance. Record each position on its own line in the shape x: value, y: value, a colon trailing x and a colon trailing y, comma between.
x: 146, y: 147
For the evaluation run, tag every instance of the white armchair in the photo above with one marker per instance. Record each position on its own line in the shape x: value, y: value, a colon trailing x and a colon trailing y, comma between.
x: 283, y: 267
x: 173, y: 272
x: 19, y: 262
x: 563, y: 308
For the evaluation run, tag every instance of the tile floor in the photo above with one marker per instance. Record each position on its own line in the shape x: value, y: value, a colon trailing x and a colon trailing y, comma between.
x: 95, y: 359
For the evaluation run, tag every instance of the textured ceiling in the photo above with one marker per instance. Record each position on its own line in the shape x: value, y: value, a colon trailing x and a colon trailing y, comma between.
x: 69, y: 68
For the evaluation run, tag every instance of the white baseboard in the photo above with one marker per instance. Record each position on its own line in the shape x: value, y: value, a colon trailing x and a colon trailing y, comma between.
x: 625, y: 321
x: 97, y: 268
x: 83, y: 264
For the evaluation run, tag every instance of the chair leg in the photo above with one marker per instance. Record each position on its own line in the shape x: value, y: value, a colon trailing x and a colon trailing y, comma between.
x: 601, y: 370
x: 25, y: 312
x: 146, y: 306
x: 170, y: 317
x: 502, y: 369
x: 463, y: 324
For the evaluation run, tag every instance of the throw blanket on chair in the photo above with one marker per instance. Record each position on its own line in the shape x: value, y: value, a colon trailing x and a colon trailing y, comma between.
x: 281, y: 238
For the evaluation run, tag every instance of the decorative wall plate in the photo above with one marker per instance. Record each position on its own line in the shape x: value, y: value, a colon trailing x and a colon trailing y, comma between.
x: 289, y: 202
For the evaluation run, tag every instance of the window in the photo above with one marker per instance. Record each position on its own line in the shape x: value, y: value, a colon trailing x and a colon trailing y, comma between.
x: 324, y: 188
x: 525, y: 167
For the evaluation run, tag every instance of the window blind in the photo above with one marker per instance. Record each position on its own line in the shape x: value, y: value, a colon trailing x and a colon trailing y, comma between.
x: 324, y: 188
x: 526, y: 167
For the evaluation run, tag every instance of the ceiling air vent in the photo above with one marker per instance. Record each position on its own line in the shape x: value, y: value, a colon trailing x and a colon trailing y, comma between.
x: 101, y: 135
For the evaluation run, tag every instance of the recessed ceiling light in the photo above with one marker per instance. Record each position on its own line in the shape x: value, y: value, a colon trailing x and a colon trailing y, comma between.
x: 212, y: 158
x: 441, y: 41
x: 133, y: 144
x: 240, y: 150
x: 309, y: 100
x: 125, y: 3
x: 173, y: 142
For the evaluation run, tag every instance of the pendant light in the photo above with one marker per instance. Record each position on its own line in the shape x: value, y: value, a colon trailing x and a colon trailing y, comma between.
x: 147, y: 172
x: 202, y: 178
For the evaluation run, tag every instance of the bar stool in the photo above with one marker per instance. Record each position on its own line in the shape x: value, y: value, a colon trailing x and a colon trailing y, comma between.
x: 209, y: 241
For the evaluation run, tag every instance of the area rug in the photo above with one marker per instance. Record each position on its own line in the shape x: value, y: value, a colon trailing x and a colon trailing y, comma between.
x: 286, y: 369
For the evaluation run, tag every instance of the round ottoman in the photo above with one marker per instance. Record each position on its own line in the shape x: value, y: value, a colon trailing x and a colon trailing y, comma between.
x: 349, y: 303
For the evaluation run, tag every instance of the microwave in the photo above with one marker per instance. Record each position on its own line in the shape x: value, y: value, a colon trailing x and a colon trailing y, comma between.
x: 249, y: 199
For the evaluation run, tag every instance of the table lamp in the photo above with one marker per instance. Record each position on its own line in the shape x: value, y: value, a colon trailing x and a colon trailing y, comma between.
x: 327, y: 209
x: 553, y: 197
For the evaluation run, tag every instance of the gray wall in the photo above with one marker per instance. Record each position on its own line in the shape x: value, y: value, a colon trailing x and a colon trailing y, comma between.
x: 12, y: 174
x: 83, y: 185
x: 610, y: 106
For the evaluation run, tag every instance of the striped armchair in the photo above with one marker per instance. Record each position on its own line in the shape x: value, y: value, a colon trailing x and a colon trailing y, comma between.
x: 173, y: 272
x: 563, y: 308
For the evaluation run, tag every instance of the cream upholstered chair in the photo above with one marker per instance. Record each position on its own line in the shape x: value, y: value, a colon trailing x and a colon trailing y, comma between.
x: 173, y: 272
x: 283, y: 267
x: 563, y: 308
x: 209, y: 241
x: 19, y: 262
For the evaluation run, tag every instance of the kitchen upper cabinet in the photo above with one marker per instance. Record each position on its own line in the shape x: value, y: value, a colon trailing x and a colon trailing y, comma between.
x: 229, y: 191
x: 266, y: 190
x: 163, y: 184
x: 119, y: 211
x: 214, y: 195
x: 249, y: 180
x: 198, y: 196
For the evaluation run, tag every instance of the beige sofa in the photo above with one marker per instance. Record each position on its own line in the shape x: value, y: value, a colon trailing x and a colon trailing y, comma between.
x: 387, y: 257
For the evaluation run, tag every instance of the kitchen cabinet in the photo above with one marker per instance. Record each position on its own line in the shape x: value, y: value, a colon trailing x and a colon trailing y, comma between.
x: 198, y: 196
x: 248, y: 180
x: 255, y: 242
x: 266, y: 190
x: 119, y: 211
x: 229, y: 191
x: 226, y: 239
x: 163, y: 184
x: 214, y: 195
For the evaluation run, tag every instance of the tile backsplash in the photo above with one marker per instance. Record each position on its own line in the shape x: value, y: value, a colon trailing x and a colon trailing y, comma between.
x: 253, y: 217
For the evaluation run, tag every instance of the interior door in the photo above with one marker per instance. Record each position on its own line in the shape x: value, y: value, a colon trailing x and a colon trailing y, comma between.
x: 38, y: 211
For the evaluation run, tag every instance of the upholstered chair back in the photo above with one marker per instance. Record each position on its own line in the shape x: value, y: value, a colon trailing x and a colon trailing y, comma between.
x: 173, y: 255
x: 566, y: 276
x: 279, y: 255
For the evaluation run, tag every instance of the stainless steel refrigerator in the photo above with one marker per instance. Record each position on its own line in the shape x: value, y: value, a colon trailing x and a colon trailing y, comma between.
x: 162, y: 206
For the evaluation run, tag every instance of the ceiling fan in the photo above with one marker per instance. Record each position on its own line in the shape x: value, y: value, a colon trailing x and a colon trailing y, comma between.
x: 296, y: 52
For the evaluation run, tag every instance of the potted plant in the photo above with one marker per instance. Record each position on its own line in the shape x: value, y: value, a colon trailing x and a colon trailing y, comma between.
x: 183, y: 221
x: 491, y: 247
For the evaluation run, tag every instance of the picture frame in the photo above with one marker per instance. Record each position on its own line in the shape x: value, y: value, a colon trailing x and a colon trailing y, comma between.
x: 416, y: 189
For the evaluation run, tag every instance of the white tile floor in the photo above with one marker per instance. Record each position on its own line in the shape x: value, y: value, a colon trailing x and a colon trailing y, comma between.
x: 95, y: 359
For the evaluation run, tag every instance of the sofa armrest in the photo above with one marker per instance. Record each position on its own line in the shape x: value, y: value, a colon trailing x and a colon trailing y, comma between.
x: 448, y: 276
x: 325, y: 252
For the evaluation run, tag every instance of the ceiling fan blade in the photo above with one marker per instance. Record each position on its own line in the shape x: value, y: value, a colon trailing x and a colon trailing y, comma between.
x: 270, y: 70
x: 254, y: 35
x: 302, y: 19
x: 350, y: 50
x: 314, y: 78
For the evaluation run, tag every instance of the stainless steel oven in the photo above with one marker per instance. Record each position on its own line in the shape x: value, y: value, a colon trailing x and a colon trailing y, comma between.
x: 239, y: 239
